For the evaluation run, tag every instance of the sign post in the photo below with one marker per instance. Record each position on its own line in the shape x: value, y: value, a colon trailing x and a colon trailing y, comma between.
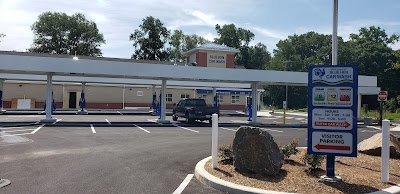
x: 382, y: 97
x: 284, y: 112
x: 332, y: 113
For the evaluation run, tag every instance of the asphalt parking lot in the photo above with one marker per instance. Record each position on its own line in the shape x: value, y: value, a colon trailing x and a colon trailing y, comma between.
x: 134, y: 159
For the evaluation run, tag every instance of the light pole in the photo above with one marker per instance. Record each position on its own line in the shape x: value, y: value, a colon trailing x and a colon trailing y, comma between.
x: 285, y: 104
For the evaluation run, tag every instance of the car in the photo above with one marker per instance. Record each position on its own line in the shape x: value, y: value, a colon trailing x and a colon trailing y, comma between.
x: 193, y: 109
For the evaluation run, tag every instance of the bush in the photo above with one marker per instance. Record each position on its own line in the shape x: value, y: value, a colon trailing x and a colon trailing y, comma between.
x: 313, y: 161
x: 225, y: 152
x: 290, y: 149
x: 391, y: 105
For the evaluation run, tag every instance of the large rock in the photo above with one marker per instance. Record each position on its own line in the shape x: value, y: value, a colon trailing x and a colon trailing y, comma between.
x: 255, y: 151
x: 373, y: 146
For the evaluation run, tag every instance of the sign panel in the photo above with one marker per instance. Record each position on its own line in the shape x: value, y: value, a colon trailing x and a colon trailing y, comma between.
x: 339, y: 119
x: 332, y: 96
x: 332, y: 110
x: 332, y: 142
x: 284, y: 105
x: 382, y: 96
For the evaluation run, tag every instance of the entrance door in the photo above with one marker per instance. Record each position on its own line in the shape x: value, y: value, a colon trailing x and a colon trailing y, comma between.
x: 72, y: 100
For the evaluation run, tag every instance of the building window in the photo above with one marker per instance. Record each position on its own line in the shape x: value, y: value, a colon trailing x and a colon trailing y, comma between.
x: 185, y: 96
x: 235, y: 99
x: 139, y: 93
x: 220, y: 99
x: 169, y: 98
x: 203, y: 96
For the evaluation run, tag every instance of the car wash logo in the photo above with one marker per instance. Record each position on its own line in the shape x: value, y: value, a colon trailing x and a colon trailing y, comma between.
x: 332, y: 75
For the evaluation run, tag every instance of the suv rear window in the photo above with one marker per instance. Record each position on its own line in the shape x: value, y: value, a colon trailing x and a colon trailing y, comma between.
x: 195, y: 102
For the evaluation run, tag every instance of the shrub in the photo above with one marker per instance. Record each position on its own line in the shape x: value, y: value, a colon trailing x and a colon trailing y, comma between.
x: 290, y: 149
x: 225, y: 152
x: 313, y: 161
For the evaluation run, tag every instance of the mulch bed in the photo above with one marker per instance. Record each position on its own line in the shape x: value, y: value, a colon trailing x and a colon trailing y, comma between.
x: 359, y: 175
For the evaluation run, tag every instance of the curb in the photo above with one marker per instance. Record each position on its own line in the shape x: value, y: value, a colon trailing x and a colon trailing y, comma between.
x: 206, y: 178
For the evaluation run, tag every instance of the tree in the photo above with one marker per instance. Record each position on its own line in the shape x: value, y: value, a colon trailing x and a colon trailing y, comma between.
x: 259, y: 57
x: 238, y: 38
x: 177, y: 43
x: 192, y: 41
x: 150, y: 39
x: 58, y: 33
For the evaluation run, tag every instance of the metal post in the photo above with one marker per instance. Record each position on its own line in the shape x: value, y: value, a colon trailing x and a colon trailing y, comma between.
x: 215, y: 98
x: 359, y: 105
x: 163, y: 102
x: 330, y: 160
x: 123, y: 97
x: 380, y: 113
x: 49, y: 99
x: 254, y: 103
x: 154, y: 98
x: 385, y: 150
x: 334, y: 33
x: 214, y: 141
x: 1, y: 95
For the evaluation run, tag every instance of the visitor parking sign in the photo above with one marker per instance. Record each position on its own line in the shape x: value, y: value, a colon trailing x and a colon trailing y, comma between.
x: 332, y: 110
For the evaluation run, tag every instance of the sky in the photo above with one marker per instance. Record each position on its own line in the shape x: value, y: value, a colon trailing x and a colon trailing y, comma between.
x: 269, y: 20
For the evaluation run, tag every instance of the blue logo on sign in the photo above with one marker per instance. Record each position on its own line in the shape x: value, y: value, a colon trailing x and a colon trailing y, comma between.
x: 319, y: 72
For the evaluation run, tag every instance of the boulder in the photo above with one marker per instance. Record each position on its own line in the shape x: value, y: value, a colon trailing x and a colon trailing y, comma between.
x: 255, y: 151
x: 373, y: 146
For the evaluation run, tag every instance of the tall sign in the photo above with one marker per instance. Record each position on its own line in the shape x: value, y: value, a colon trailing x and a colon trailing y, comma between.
x: 332, y: 110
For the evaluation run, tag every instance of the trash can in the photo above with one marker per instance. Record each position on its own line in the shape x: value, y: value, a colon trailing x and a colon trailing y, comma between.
x: 367, y: 121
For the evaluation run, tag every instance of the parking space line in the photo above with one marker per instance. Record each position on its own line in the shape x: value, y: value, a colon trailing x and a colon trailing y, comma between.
x: 228, y: 129
x: 185, y: 128
x: 8, y: 135
x: 141, y: 128
x: 37, y: 129
x: 57, y: 121
x: 272, y: 130
x: 91, y: 126
x: 120, y: 113
x: 11, y: 127
x: 108, y: 121
x: 18, y: 130
x: 370, y: 131
x: 184, y: 183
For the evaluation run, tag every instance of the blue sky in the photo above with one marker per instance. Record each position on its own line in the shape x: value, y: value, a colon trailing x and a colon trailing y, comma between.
x: 270, y: 20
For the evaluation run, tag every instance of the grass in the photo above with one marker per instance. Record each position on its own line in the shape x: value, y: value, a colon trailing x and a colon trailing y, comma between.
x: 386, y: 115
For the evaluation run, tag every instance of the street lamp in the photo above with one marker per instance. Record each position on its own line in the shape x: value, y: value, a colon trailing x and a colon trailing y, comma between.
x: 285, y: 104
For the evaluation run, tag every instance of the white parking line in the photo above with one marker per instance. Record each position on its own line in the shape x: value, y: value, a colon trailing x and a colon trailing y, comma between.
x: 228, y: 129
x: 108, y: 121
x: 272, y: 130
x: 18, y: 130
x: 184, y: 183
x: 141, y: 128
x: 91, y: 126
x: 14, y: 134
x: 57, y: 121
x: 370, y: 131
x: 11, y: 127
x: 120, y: 113
x: 185, y: 128
x: 37, y: 129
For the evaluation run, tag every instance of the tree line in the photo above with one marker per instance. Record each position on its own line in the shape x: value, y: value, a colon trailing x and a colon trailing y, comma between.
x: 59, y: 33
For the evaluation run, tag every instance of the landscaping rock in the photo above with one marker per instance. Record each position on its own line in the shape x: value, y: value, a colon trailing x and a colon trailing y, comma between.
x: 255, y: 151
x: 373, y: 146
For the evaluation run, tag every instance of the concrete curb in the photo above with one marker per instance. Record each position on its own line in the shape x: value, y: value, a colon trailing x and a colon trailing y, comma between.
x: 206, y: 178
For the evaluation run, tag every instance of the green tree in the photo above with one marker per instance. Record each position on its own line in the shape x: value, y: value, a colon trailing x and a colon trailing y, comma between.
x: 150, y: 39
x: 259, y: 57
x: 238, y: 38
x: 192, y: 41
x: 58, y: 33
x: 374, y: 57
x: 177, y: 42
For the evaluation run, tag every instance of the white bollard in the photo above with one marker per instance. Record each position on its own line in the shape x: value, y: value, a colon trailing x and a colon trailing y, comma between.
x: 214, y: 141
x: 385, y: 150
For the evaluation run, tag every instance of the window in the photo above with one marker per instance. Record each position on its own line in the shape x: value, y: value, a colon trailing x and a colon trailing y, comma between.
x: 220, y: 99
x: 204, y: 96
x: 169, y: 98
x: 235, y: 99
x: 185, y: 96
x: 139, y: 93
